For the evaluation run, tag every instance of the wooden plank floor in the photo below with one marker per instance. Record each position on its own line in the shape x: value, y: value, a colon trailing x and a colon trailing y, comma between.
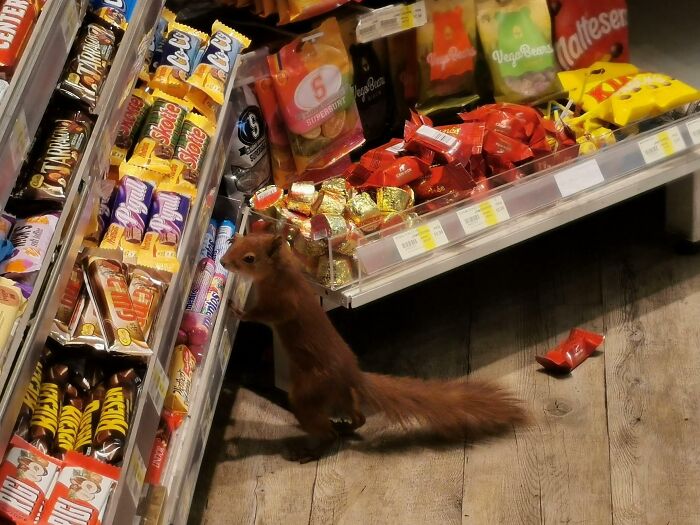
x: 618, y: 441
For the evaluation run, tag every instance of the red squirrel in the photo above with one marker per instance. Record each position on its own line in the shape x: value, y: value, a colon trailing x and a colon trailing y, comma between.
x: 326, y: 381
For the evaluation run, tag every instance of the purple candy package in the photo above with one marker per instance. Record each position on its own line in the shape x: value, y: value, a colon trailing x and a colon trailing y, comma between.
x: 129, y: 216
x: 200, y: 285
x: 209, y: 243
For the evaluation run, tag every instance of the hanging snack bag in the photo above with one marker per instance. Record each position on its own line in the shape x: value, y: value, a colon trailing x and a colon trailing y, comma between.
x: 447, y: 50
x: 586, y: 32
x: 250, y: 162
x: 516, y: 37
x: 313, y: 80
x: 303, y: 9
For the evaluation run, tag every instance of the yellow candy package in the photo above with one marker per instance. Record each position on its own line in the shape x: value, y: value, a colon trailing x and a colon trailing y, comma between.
x: 313, y: 79
x: 516, y: 36
x: 180, y: 51
x: 303, y: 9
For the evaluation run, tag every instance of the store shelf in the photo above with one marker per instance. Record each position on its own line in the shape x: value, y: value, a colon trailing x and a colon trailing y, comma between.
x: 35, y: 78
x: 33, y: 327
x: 467, y: 231
x: 124, y: 501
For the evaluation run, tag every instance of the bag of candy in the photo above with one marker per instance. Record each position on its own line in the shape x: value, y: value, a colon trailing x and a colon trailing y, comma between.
x: 517, y: 43
x: 586, y: 32
x: 313, y: 79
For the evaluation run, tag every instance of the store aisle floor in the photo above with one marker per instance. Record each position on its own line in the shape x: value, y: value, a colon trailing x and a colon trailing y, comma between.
x: 616, y: 441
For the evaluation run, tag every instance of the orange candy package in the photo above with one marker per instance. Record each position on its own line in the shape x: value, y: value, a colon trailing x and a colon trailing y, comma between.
x: 313, y: 80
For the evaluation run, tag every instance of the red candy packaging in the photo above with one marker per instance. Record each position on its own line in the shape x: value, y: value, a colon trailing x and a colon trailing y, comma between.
x: 26, y: 477
x: 572, y: 352
x: 587, y: 32
x: 81, y: 492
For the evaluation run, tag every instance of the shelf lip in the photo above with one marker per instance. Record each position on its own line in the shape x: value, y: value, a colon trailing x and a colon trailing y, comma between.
x: 123, y: 503
x: 53, y: 275
x: 524, y: 227
x: 32, y: 85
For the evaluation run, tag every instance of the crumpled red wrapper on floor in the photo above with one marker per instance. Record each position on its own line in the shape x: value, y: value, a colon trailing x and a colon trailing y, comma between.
x: 572, y: 352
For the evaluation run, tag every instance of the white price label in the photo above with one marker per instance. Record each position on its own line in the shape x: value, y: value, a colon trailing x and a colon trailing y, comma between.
x: 136, y: 475
x: 70, y: 23
x: 578, y: 178
x: 420, y: 240
x: 390, y: 20
x: 662, y: 145
x: 694, y: 130
x: 19, y: 139
x: 159, y: 386
x: 483, y: 215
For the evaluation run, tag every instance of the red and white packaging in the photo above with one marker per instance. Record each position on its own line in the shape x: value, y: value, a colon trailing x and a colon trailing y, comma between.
x: 26, y: 477
x: 81, y: 492
x: 587, y: 32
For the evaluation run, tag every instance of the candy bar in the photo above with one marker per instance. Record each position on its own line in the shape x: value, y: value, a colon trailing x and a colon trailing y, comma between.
x: 224, y: 236
x: 31, y: 396
x: 87, y: 331
x: 209, y: 242
x: 109, y: 441
x: 180, y: 52
x: 89, y: 420
x: 82, y: 491
x: 169, y: 422
x: 182, y: 367
x: 103, y: 212
x: 147, y: 290
x: 26, y: 477
x: 69, y: 299
x: 110, y: 13
x: 212, y: 71
x: 106, y: 284
x: 51, y: 175
x: 86, y: 72
x: 68, y: 422
x: 191, y: 150
x: 17, y: 19
x: 12, y: 302
x: 572, y: 352
x: 44, y: 422
x: 129, y: 216
x: 160, y: 133
x: 165, y: 229
x: 212, y: 301
x: 136, y: 112
x: 200, y: 286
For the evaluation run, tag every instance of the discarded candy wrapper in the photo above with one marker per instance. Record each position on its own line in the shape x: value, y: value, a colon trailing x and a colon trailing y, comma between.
x: 572, y: 352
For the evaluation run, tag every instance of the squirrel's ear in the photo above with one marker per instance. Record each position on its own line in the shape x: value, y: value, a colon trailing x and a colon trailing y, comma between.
x: 275, y: 245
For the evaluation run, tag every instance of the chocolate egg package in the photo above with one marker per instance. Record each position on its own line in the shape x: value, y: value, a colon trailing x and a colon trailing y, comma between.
x: 516, y: 39
x: 313, y: 79
x: 447, y: 52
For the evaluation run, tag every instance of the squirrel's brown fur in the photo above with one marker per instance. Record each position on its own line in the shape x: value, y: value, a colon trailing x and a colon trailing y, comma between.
x: 326, y: 381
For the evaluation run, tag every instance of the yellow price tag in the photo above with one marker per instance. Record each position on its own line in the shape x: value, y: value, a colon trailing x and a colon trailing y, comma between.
x: 420, y: 240
x: 662, y: 145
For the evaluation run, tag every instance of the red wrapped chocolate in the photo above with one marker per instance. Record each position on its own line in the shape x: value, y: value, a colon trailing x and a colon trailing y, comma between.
x: 572, y: 352
x: 442, y: 180
x: 382, y: 156
x: 399, y: 173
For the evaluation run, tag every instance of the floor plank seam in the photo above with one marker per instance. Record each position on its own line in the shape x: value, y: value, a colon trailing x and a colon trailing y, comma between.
x: 313, y: 492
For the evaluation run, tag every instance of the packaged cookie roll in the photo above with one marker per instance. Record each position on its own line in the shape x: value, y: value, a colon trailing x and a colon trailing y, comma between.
x: 517, y: 43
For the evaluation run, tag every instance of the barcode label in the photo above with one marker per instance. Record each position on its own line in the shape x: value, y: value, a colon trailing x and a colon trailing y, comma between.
x: 662, y: 145
x: 396, y: 148
x: 420, y: 240
x: 70, y: 22
x: 136, y: 475
x: 159, y: 386
x: 439, y: 136
x: 390, y: 20
x: 694, y: 130
x: 483, y: 215
x: 578, y: 178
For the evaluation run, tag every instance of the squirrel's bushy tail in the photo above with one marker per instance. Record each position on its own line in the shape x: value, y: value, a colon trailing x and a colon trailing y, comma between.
x: 451, y: 409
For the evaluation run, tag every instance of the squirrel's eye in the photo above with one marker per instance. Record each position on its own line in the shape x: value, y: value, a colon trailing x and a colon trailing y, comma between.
x: 249, y: 258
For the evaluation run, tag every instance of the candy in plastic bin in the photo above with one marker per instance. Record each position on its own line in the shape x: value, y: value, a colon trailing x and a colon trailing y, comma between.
x: 206, y: 268
x: 26, y: 477
x: 190, y: 153
x: 169, y: 422
x: 364, y: 212
x: 146, y: 289
x: 136, y: 111
x: 209, y: 242
x: 182, y: 368
x: 18, y: 20
x: 224, y: 235
x: 166, y: 225
x: 180, y: 52
x: 83, y: 489
x: 572, y: 352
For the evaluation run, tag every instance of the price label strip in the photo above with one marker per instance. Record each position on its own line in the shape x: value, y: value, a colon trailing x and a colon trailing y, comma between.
x: 159, y: 386
x: 483, y: 215
x: 662, y: 145
x: 136, y: 475
x: 390, y: 20
x: 578, y: 178
x: 420, y: 240
x: 70, y: 23
x: 694, y: 130
x: 19, y: 140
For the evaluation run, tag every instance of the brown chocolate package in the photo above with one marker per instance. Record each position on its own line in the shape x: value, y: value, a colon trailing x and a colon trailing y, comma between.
x: 58, y: 156
x: 89, y: 420
x: 44, y: 423
x: 31, y: 396
x: 68, y: 421
x: 147, y: 289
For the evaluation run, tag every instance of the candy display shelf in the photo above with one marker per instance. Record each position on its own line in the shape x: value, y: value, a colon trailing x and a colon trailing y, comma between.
x: 124, y: 501
x: 465, y: 231
x: 33, y: 327
x: 24, y: 103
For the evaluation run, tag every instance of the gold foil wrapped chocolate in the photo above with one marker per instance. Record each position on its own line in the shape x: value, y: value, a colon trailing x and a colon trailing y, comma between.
x: 338, y: 186
x: 301, y: 198
x: 336, y: 273
x: 329, y: 226
x: 364, y: 212
x: 392, y: 199
x: 351, y: 242
x: 267, y: 200
x: 305, y: 245
x: 329, y: 202
x: 393, y: 222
